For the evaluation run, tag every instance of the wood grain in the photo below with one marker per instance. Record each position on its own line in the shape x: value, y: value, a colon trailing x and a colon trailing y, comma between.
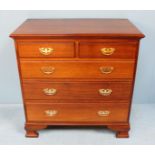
x: 77, y: 113
x: 77, y: 76
x: 121, y: 28
x: 72, y: 90
x: 93, y: 50
x: 28, y: 49
x: 77, y: 69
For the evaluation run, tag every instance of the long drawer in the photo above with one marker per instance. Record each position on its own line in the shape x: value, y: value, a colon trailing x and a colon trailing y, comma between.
x: 77, y: 69
x: 107, y: 50
x: 66, y: 113
x: 46, y: 49
x: 105, y: 91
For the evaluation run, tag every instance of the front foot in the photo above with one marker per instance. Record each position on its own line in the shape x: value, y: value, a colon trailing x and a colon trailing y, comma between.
x: 31, y: 129
x: 122, y: 134
x: 31, y: 134
x: 121, y: 130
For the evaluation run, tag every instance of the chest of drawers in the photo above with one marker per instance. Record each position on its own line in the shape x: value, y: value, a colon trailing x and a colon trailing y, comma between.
x: 77, y: 72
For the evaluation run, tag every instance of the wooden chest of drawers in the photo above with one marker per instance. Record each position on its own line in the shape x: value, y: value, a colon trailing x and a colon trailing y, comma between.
x: 77, y: 72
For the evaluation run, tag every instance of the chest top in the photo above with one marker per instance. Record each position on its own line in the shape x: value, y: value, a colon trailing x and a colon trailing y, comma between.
x: 120, y: 28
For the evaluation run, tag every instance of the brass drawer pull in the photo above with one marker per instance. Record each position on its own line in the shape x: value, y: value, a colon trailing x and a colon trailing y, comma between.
x: 106, y: 70
x: 105, y: 92
x: 47, y: 70
x: 107, y: 51
x: 49, y: 91
x: 46, y: 50
x: 103, y: 113
x: 51, y: 113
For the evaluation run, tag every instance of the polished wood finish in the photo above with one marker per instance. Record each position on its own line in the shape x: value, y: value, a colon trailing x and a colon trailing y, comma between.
x: 77, y: 69
x: 28, y: 49
x: 72, y: 90
x: 77, y: 72
x: 77, y: 27
x: 79, y: 112
x: 93, y: 50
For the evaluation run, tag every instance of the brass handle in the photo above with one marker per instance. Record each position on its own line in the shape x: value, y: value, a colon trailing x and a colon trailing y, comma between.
x: 106, y: 70
x: 51, y: 113
x: 103, y: 113
x: 49, y: 91
x: 105, y: 92
x: 107, y: 51
x: 47, y: 70
x: 46, y: 50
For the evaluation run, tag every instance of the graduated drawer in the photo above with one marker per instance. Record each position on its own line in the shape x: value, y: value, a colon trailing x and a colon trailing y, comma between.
x: 46, y: 49
x: 77, y: 69
x: 107, y: 50
x: 77, y: 90
x: 65, y: 113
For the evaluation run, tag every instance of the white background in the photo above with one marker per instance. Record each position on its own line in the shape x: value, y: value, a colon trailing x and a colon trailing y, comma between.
x: 86, y: 5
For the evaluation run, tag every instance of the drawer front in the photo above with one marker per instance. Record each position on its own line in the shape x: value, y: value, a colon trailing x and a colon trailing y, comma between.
x: 46, y: 49
x: 105, y: 91
x: 107, y: 50
x: 77, y: 112
x: 81, y: 69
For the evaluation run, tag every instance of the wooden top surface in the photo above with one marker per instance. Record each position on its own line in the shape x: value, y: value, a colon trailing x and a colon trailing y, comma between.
x: 77, y: 27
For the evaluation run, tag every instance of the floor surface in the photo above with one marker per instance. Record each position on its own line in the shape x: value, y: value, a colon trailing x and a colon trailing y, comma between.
x: 142, y: 129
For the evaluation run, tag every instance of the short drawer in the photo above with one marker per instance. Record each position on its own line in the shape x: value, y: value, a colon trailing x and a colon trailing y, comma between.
x: 107, y: 50
x: 105, y: 91
x: 77, y: 69
x: 46, y: 49
x: 67, y: 113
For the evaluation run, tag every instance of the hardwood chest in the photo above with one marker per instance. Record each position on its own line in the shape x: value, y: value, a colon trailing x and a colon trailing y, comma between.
x: 77, y: 72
